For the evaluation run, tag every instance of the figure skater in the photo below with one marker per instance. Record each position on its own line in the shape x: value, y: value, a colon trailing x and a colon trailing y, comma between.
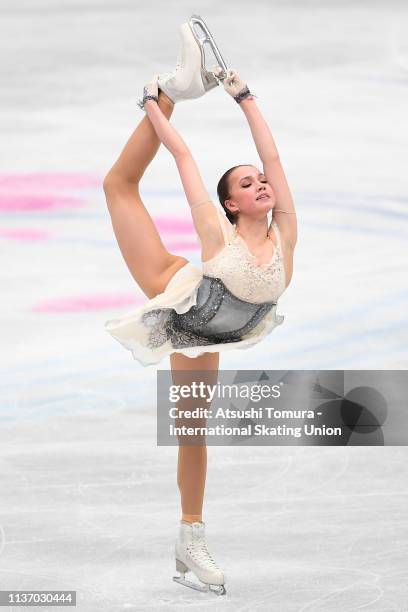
x: 193, y: 314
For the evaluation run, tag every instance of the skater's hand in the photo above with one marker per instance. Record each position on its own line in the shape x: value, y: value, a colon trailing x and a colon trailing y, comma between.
x: 233, y: 84
x: 150, y: 90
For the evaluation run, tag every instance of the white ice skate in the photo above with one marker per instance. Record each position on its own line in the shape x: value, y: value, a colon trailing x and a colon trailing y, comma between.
x: 191, y: 79
x: 192, y: 555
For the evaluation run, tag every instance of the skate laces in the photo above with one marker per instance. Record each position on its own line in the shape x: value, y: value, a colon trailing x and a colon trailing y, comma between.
x: 199, y: 552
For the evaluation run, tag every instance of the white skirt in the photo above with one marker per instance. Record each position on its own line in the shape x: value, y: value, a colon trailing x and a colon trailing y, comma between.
x: 144, y: 331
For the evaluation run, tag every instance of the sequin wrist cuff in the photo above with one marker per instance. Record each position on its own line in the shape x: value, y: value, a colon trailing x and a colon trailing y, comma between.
x: 146, y: 96
x: 244, y: 93
x: 141, y: 103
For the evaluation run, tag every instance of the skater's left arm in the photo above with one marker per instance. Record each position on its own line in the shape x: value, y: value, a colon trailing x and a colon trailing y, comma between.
x: 273, y: 170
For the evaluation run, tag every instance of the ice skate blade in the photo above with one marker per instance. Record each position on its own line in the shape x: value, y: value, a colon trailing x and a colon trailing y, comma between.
x: 208, y: 76
x: 203, y: 588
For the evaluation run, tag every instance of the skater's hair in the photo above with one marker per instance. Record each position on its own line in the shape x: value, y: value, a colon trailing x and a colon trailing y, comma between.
x: 223, y: 191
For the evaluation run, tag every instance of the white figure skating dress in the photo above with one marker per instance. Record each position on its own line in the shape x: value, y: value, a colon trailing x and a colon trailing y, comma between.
x: 230, y: 304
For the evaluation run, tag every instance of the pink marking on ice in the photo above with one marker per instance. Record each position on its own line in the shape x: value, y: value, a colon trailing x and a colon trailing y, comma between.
x: 174, y: 225
x: 18, y: 202
x: 89, y: 302
x: 24, y: 234
x: 46, y: 180
x: 182, y: 244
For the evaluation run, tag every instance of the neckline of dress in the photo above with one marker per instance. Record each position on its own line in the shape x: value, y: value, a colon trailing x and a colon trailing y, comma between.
x: 263, y: 265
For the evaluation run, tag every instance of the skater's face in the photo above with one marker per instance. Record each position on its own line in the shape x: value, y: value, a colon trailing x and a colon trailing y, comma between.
x: 246, y: 185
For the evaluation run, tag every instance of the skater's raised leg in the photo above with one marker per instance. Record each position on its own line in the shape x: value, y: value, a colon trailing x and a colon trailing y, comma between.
x: 140, y: 149
x: 148, y: 260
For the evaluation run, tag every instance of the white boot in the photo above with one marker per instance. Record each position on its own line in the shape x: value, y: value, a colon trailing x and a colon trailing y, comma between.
x: 190, y: 79
x: 192, y: 555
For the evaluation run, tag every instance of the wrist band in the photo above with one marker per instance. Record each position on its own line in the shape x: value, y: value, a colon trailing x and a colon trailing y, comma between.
x: 146, y: 96
x: 141, y: 102
x: 244, y: 93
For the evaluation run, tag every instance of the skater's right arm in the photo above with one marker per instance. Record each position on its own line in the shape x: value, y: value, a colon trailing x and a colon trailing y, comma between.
x: 203, y: 211
x: 193, y: 184
x: 205, y: 217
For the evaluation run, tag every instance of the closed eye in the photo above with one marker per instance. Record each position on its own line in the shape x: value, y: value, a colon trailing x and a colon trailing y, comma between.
x: 245, y: 186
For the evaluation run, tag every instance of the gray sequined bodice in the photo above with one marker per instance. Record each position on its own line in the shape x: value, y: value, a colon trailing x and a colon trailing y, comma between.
x: 219, y: 314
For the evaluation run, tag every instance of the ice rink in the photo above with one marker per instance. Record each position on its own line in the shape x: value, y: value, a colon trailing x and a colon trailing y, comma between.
x: 88, y: 500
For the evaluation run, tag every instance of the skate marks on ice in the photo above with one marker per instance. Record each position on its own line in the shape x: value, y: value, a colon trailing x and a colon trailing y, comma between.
x: 92, y: 481
x: 294, y: 545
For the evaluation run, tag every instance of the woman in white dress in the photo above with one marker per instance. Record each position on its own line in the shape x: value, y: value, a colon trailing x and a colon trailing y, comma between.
x: 246, y: 196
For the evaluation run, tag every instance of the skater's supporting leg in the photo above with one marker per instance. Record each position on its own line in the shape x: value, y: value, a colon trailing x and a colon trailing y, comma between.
x: 191, y: 552
x: 192, y: 460
x: 192, y: 518
x: 191, y: 474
